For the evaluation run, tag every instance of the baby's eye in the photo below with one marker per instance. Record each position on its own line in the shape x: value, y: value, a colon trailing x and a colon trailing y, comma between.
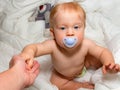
x: 76, y: 27
x: 62, y: 28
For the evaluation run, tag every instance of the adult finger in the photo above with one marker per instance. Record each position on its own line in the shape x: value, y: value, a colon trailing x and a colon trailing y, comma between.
x: 14, y: 60
x: 36, y: 66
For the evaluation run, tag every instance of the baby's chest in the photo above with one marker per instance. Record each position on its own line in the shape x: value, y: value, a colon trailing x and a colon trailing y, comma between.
x: 68, y: 60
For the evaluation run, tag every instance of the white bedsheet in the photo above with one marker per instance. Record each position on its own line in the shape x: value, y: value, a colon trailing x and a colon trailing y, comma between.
x: 103, y: 26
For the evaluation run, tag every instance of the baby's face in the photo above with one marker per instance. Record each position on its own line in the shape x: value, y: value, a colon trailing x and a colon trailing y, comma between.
x: 67, y: 27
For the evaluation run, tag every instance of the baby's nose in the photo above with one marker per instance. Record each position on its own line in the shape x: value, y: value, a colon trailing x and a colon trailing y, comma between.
x: 70, y: 32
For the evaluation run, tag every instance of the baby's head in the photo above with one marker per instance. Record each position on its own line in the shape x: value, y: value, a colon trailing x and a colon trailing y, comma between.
x: 70, y: 7
x: 67, y: 24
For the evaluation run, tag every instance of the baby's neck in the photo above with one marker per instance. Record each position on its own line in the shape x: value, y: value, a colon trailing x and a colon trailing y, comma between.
x: 70, y: 51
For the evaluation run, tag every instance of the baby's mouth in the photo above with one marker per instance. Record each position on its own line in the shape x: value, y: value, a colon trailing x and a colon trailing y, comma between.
x: 70, y: 41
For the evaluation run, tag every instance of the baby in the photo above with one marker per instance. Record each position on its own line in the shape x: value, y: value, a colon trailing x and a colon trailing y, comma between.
x: 70, y: 51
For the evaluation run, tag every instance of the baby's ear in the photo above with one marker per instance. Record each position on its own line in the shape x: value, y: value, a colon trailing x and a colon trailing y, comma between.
x: 52, y: 32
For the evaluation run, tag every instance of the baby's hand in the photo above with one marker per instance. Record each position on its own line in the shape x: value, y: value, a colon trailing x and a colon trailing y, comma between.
x: 28, y: 59
x: 111, y: 68
x: 29, y: 63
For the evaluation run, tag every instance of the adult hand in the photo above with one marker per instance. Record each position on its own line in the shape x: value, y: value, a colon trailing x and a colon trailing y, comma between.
x: 25, y: 75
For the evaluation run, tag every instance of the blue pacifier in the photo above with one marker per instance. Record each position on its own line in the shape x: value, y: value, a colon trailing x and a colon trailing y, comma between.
x: 70, y: 41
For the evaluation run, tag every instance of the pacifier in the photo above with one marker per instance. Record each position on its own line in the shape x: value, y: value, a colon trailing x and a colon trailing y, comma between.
x: 70, y: 41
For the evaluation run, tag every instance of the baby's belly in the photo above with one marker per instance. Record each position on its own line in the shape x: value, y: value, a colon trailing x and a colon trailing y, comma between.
x: 69, y: 72
x: 68, y: 67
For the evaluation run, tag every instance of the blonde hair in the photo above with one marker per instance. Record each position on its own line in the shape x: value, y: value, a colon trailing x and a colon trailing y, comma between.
x: 68, y: 6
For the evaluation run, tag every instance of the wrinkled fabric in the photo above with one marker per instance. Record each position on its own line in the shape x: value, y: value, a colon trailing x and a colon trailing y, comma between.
x: 16, y: 31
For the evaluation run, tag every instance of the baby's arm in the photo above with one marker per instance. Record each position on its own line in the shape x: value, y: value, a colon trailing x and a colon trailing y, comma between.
x: 28, y: 53
x: 108, y: 61
x: 105, y: 57
x: 35, y: 50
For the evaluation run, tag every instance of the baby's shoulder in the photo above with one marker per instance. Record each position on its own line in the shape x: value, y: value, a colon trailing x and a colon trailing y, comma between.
x: 88, y: 43
x: 50, y: 43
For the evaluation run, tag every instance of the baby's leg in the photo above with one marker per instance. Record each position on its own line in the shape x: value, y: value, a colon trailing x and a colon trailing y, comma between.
x: 64, y: 83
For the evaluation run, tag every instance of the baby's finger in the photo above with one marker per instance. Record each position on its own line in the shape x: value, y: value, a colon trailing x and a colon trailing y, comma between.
x: 104, y: 70
x: 117, y: 67
x: 111, y: 66
x: 30, y: 63
x: 107, y: 68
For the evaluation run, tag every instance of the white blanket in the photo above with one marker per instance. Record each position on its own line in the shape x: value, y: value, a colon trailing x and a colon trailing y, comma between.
x: 103, y: 26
